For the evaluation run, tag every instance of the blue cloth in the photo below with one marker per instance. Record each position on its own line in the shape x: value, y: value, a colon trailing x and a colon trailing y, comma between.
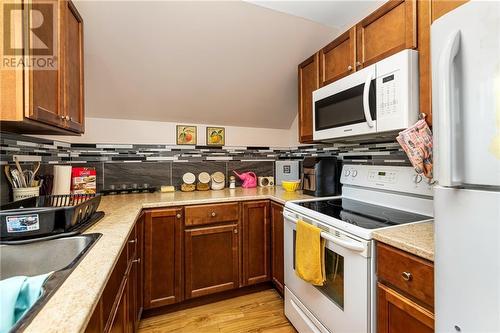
x: 17, y: 295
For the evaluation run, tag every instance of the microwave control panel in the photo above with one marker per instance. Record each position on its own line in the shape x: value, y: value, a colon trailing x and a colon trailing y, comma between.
x: 388, y: 95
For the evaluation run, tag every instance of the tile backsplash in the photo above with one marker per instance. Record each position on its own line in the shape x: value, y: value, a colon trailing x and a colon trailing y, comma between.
x: 156, y: 165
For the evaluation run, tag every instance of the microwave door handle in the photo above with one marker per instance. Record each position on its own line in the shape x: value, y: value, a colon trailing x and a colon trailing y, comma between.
x: 366, y: 101
x: 445, y: 144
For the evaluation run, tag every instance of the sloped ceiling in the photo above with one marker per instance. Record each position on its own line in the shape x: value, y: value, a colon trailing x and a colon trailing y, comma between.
x: 221, y: 63
x: 339, y: 14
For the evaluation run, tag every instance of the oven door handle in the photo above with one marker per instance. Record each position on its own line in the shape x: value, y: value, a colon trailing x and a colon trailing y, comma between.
x: 366, y: 100
x: 350, y: 245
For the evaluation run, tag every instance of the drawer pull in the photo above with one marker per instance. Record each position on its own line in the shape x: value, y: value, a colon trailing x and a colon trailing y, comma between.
x: 138, y: 260
x: 407, y: 276
x: 132, y: 241
x: 213, y: 214
x: 235, y: 231
x: 178, y: 216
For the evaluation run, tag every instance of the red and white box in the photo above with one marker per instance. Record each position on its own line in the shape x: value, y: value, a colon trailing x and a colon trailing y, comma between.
x: 83, y: 181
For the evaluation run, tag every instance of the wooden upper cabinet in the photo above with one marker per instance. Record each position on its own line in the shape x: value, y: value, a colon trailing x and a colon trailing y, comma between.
x: 441, y: 7
x: 338, y: 58
x: 44, y: 85
x: 277, y: 246
x: 163, y: 257
x: 308, y: 79
x: 211, y: 259
x: 256, y: 242
x: 388, y: 30
x: 73, y: 68
x: 47, y: 98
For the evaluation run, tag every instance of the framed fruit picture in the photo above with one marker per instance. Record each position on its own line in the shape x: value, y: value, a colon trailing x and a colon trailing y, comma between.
x: 216, y: 136
x: 186, y: 135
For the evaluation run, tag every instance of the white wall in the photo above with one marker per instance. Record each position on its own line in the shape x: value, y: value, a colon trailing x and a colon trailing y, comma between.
x: 103, y: 130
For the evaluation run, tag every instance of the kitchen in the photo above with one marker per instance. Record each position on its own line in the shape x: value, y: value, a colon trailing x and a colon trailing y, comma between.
x: 250, y: 166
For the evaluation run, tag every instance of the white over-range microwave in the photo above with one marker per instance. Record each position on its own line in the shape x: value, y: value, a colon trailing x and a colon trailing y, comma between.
x: 379, y: 99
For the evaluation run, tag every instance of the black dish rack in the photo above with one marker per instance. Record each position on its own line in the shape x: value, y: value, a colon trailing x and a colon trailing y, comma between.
x: 48, y: 216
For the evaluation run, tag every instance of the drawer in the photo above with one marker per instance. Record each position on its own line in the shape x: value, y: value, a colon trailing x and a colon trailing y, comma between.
x: 207, y: 214
x: 406, y: 272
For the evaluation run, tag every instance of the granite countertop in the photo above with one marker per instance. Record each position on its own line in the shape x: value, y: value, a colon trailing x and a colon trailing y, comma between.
x: 70, y: 308
x: 417, y: 238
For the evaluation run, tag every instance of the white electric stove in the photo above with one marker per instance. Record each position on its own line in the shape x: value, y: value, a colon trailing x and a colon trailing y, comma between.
x: 373, y: 198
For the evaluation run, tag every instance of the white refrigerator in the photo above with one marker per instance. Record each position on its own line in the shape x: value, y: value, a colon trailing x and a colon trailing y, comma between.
x: 465, y: 47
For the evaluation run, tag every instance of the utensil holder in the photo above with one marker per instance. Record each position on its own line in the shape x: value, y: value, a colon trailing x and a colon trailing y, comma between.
x: 25, y: 192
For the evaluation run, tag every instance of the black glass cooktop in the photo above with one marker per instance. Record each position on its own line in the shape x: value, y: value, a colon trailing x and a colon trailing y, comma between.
x: 362, y: 214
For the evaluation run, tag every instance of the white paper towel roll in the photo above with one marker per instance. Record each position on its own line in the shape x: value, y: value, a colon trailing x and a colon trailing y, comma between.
x: 62, y: 179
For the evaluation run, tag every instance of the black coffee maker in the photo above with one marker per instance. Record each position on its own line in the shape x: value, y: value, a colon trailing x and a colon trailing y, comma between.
x: 321, y: 176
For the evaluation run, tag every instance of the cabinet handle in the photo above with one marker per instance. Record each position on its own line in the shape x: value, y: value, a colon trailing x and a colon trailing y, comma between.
x: 138, y: 260
x: 63, y: 117
x: 358, y: 63
x: 67, y: 117
x: 132, y: 241
x: 349, y: 68
x: 213, y: 214
x: 235, y: 231
x: 178, y: 216
x: 407, y: 276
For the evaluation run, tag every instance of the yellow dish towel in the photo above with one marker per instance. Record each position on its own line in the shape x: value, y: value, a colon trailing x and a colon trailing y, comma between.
x: 310, y: 254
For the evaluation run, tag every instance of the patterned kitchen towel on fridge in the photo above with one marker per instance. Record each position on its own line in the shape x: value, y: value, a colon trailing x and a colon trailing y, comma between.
x: 416, y: 141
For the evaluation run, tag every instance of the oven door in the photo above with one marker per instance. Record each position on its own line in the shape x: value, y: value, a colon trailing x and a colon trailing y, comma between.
x: 346, y: 107
x: 343, y: 303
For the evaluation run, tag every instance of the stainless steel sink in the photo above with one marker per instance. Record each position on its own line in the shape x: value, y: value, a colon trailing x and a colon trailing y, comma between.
x: 59, y: 256
x: 42, y: 257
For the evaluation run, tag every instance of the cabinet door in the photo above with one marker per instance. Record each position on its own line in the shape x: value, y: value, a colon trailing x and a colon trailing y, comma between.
x: 441, y: 7
x: 308, y: 82
x: 73, y: 68
x: 424, y: 58
x: 277, y: 246
x: 119, y: 323
x: 163, y: 256
x: 388, y: 30
x: 338, y: 58
x: 211, y: 260
x: 44, y: 85
x: 256, y: 242
x: 140, y: 268
x: 397, y: 314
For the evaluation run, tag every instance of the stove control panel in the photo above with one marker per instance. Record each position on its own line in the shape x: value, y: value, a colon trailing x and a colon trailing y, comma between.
x: 391, y: 178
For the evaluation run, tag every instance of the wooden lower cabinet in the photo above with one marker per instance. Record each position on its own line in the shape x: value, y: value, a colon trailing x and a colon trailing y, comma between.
x: 119, y: 307
x: 405, y: 292
x: 277, y: 246
x: 398, y: 314
x: 211, y: 259
x: 163, y: 257
x: 256, y: 227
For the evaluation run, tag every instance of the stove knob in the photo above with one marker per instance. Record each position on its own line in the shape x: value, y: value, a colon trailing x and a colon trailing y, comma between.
x: 417, y: 178
x: 354, y: 173
x: 347, y: 172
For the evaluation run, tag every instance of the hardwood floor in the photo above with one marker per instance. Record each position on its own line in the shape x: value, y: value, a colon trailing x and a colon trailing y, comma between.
x: 260, y: 312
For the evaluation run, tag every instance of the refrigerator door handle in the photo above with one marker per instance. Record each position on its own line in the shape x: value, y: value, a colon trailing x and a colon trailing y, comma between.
x: 446, y: 146
x: 366, y: 101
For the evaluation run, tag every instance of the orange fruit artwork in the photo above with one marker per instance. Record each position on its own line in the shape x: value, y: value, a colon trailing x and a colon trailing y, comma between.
x: 216, y: 136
